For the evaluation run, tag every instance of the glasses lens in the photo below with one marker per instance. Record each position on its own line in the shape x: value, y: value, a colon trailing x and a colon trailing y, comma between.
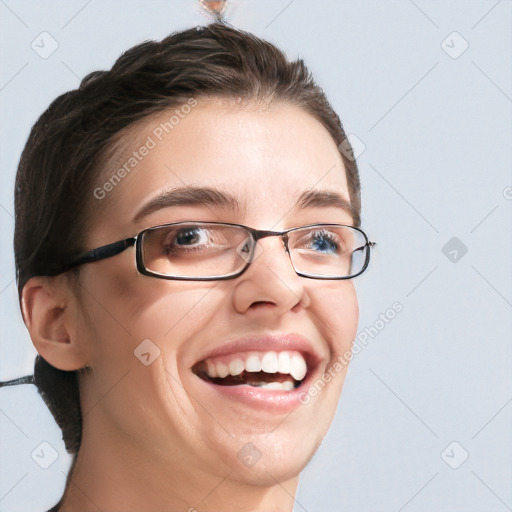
x: 328, y: 251
x: 196, y: 250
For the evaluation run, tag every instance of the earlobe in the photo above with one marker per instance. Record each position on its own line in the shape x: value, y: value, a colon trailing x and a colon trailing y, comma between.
x: 46, y: 305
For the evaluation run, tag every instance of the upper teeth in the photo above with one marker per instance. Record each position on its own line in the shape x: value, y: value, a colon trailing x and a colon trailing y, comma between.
x: 292, y: 363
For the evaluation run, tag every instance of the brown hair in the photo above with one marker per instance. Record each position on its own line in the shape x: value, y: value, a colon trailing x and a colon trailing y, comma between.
x: 60, y: 162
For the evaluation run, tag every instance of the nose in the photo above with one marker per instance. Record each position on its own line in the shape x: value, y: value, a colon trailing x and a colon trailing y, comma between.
x: 270, y: 283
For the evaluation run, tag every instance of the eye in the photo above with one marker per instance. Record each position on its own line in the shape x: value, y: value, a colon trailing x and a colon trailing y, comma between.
x: 200, y: 240
x: 190, y: 238
x: 321, y: 241
x: 324, y: 241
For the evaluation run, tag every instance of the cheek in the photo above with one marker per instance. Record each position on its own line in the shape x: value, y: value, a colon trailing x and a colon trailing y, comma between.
x: 126, y: 308
x: 337, y: 309
x: 123, y: 313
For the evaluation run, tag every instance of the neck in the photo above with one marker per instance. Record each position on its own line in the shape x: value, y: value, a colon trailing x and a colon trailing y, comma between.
x: 112, y: 474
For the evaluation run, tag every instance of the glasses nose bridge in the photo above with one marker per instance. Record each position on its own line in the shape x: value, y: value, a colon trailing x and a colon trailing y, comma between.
x: 260, y: 234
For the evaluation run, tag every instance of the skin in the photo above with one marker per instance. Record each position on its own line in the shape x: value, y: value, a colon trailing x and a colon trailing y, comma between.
x: 149, y: 440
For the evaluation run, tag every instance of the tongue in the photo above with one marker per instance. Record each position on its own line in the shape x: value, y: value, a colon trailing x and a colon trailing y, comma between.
x: 253, y: 378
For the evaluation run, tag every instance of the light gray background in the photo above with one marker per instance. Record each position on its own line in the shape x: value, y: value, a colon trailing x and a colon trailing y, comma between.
x: 436, y: 165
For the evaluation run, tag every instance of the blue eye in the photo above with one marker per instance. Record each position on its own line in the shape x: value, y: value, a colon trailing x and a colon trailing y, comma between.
x: 316, y: 242
x: 324, y: 242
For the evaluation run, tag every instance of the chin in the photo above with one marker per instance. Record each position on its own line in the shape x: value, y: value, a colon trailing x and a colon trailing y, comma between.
x: 272, y: 467
x: 278, y: 455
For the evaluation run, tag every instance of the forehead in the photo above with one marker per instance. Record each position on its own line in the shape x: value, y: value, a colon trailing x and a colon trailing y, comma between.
x: 265, y: 158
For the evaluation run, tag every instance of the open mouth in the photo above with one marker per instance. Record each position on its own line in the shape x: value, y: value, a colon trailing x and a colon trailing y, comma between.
x: 280, y: 371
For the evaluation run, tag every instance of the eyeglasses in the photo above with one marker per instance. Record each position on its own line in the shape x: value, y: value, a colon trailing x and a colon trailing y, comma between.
x: 208, y: 251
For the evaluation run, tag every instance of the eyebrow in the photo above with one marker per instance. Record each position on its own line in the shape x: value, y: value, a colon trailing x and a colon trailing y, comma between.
x: 207, y: 196
x: 323, y: 198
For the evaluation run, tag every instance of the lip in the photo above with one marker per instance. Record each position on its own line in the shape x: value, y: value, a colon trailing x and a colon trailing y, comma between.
x: 274, y: 401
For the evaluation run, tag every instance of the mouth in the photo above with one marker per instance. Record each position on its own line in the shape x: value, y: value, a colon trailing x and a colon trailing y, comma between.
x: 279, y: 371
x: 265, y: 372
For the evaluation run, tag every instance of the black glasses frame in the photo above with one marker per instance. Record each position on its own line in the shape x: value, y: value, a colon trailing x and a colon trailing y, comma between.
x: 112, y: 249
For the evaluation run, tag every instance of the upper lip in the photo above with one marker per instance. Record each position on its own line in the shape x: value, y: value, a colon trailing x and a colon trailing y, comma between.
x: 269, y: 342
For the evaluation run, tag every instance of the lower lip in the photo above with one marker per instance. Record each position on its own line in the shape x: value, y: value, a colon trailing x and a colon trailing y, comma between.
x: 272, y: 400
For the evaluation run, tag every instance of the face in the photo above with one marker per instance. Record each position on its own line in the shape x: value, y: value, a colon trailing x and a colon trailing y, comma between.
x: 167, y: 410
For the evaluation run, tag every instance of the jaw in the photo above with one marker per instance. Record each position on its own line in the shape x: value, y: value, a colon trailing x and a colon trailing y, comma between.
x: 240, y: 420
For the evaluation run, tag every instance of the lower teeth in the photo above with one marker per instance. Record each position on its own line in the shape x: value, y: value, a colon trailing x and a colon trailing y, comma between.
x: 256, y: 381
x: 281, y: 386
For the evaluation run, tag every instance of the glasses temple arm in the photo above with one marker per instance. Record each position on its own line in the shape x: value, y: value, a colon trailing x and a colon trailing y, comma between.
x: 100, y: 253
x: 368, y: 244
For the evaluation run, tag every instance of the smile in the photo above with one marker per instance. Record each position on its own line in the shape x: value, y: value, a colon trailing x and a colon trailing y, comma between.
x: 268, y: 372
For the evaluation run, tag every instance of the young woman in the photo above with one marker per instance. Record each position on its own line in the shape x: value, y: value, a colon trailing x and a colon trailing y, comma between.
x: 187, y: 234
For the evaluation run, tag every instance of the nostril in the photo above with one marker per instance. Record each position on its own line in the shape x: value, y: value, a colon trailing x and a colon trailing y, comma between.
x: 261, y: 303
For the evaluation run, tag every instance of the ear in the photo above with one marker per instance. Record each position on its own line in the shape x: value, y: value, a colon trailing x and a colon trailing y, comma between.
x: 49, y: 311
